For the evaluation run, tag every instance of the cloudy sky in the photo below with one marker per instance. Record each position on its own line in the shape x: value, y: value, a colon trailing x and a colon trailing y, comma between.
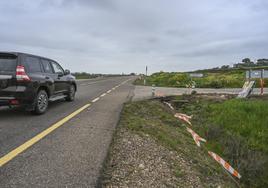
x: 115, y: 36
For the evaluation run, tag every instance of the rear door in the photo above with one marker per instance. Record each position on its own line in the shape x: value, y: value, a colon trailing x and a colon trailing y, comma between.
x: 49, y: 75
x: 8, y: 64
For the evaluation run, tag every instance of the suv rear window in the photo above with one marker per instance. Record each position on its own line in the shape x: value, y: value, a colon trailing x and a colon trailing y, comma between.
x: 32, y: 64
x: 8, y: 62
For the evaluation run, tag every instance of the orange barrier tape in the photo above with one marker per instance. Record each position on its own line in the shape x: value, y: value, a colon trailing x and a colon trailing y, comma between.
x: 183, y: 117
x: 225, y: 165
x: 189, y: 117
x: 196, y: 137
x: 159, y: 95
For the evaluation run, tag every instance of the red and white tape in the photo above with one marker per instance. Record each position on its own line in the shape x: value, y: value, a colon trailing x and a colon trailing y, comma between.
x: 170, y: 106
x: 197, y: 140
x: 225, y: 165
x: 183, y: 117
x: 196, y: 137
x: 158, y: 94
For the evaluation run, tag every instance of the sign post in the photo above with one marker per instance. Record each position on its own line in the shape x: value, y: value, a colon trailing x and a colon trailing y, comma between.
x: 153, y: 90
x: 262, y: 81
x: 145, y: 75
x: 258, y: 74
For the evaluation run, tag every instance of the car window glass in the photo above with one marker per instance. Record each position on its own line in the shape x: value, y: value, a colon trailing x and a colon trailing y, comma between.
x: 46, y: 66
x: 57, y: 68
x: 7, y: 62
x: 32, y: 64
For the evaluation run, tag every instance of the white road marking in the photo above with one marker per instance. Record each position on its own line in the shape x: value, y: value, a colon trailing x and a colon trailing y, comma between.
x: 103, y: 94
x: 109, y: 91
x: 96, y: 99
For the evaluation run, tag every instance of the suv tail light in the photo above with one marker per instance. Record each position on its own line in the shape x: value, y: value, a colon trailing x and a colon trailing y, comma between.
x: 14, y: 102
x: 21, y: 74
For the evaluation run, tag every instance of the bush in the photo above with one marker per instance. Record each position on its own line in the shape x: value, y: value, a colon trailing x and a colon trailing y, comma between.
x: 210, y: 80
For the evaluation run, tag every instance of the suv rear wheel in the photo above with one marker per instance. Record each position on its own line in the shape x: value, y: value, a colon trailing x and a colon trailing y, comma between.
x: 71, y: 94
x: 41, y: 103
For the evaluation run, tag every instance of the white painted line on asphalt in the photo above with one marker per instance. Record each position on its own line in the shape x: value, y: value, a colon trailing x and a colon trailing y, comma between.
x: 96, y: 99
x: 103, y: 94
x: 109, y: 91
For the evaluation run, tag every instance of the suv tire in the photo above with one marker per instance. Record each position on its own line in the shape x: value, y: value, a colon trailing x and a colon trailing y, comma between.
x: 71, y: 93
x: 41, y: 102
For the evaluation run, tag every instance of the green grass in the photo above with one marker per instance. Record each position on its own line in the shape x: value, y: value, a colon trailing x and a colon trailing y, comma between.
x: 237, y: 130
x: 218, y: 79
x: 154, y: 119
x: 248, y: 119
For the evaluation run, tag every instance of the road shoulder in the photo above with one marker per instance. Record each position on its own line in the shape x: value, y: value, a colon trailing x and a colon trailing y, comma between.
x: 152, y: 149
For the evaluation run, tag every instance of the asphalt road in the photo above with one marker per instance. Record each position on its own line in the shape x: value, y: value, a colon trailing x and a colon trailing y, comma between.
x: 71, y: 155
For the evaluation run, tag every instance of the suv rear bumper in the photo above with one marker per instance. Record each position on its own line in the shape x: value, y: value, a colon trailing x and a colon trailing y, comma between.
x: 21, y: 96
x: 4, y: 102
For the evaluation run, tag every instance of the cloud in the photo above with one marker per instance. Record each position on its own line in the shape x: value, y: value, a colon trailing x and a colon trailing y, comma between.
x: 115, y: 36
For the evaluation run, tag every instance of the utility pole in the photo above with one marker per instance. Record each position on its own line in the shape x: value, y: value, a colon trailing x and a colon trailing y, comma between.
x: 145, y: 75
x: 262, y: 81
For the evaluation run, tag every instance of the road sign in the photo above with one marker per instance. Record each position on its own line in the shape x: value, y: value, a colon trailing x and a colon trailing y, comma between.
x: 196, y: 75
x: 257, y: 74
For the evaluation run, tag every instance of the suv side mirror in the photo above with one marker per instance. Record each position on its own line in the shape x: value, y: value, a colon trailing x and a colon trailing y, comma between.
x: 60, y: 74
x: 67, y: 72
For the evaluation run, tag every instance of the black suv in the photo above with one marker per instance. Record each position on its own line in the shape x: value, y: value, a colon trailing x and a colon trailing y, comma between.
x: 32, y: 81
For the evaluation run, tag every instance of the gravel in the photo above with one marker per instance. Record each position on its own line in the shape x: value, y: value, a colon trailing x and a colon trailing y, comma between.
x: 138, y: 161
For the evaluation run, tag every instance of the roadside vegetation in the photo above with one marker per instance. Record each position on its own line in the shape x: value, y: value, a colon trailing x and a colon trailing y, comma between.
x: 190, y: 168
x: 211, y: 79
x: 84, y: 75
x: 218, y: 77
x: 236, y: 129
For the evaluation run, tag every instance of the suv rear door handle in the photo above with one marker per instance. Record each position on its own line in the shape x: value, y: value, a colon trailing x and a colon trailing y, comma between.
x: 47, y: 77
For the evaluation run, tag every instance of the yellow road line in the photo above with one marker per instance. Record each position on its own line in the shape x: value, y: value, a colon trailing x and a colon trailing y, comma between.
x: 6, y: 158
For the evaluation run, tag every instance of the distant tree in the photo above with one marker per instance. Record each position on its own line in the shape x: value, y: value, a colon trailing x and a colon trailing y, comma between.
x: 215, y: 68
x: 247, y: 62
x: 262, y: 62
x: 238, y: 65
x: 225, y: 67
